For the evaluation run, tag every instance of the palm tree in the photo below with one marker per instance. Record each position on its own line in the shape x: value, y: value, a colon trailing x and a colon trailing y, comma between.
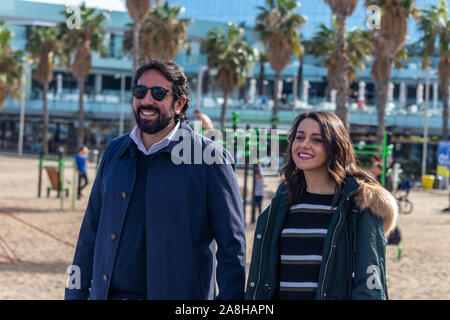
x: 81, y: 43
x: 324, y: 45
x: 163, y: 32
x: 231, y: 56
x: 358, y: 50
x: 390, y: 38
x: 43, y: 46
x: 307, y: 47
x: 342, y: 9
x: 138, y: 10
x: 10, y: 66
x: 279, y: 28
x: 434, y: 23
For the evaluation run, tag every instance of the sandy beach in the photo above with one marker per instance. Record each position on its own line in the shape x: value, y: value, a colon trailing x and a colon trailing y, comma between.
x: 37, y: 238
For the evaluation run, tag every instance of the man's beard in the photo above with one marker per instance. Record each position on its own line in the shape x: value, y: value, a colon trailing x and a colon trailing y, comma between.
x: 156, y: 125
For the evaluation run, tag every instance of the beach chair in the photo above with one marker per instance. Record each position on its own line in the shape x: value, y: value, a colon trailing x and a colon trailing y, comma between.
x: 53, y: 176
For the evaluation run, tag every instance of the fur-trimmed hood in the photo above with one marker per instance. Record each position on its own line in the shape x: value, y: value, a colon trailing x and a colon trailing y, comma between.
x: 379, y: 201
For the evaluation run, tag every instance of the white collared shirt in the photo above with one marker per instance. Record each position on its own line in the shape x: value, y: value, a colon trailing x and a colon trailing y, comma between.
x: 136, y: 136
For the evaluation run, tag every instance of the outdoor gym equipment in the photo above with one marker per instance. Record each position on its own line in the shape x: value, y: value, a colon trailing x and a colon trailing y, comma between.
x: 56, y: 178
x: 383, y: 150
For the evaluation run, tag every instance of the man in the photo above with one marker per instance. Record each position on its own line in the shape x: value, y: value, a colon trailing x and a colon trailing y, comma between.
x: 258, y: 187
x: 207, y: 124
x: 81, y: 161
x: 150, y: 225
x: 377, y: 170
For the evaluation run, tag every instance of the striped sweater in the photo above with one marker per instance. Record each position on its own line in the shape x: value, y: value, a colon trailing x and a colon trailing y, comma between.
x: 301, y: 246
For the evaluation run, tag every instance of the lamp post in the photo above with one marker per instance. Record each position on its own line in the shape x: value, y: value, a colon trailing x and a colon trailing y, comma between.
x: 306, y: 86
x: 201, y: 69
x: 122, y: 77
x: 425, y: 128
x: 22, y: 108
x: 402, y: 98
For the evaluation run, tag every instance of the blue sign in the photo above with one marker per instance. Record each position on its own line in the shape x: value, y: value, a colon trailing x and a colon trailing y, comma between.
x: 443, y: 163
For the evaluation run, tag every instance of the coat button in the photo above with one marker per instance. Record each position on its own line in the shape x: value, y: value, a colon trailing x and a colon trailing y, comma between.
x: 258, y: 236
x: 252, y: 284
x: 105, y: 277
x: 113, y: 236
x: 124, y: 195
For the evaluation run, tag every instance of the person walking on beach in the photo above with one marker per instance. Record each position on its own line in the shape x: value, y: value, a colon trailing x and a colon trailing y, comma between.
x: 81, y: 161
x: 376, y: 170
x: 323, y: 235
x: 153, y: 223
x: 207, y: 123
x: 259, y: 187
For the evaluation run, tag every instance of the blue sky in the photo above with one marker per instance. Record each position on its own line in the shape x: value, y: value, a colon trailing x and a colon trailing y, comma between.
x: 115, y: 5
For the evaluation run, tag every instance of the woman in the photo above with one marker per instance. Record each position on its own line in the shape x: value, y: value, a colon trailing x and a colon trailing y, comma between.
x: 323, y: 235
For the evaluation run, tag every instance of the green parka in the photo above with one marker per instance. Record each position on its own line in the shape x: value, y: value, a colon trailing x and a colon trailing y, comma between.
x: 353, y: 259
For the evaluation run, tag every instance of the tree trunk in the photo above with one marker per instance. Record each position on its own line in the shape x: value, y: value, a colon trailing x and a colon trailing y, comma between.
x: 3, y: 94
x: 205, y: 82
x: 262, y: 78
x: 381, y: 106
x: 342, y: 73
x: 299, y: 78
x: 136, y: 61
x: 382, y: 94
x: 445, y: 97
x: 80, y: 132
x: 223, y: 117
x: 276, y: 100
x: 46, y: 121
x: 136, y: 53
x: 327, y: 92
x: 242, y: 91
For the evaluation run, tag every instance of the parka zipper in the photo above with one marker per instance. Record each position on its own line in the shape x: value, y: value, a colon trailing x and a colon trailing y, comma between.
x: 353, y: 246
x: 260, y: 257
x: 332, y: 243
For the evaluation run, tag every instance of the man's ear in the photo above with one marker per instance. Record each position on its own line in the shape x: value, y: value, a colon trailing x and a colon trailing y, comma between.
x: 179, y: 104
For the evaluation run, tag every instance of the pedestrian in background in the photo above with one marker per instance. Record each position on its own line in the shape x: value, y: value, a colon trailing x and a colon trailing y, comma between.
x: 259, y: 187
x: 207, y: 123
x: 81, y: 160
x: 377, y: 170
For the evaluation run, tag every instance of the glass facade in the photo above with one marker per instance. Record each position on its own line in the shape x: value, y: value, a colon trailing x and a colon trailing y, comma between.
x: 317, y: 12
x: 103, y: 95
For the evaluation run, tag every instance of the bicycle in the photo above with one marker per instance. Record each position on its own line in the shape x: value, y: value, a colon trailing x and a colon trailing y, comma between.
x: 404, y: 205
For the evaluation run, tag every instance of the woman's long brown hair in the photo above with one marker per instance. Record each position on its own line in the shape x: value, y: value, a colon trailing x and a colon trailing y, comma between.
x: 341, y: 160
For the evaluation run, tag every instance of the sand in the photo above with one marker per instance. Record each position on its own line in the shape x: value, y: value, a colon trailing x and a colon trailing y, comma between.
x: 37, y: 238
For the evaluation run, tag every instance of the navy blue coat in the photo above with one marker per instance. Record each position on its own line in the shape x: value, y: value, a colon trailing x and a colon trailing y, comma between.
x: 188, y: 206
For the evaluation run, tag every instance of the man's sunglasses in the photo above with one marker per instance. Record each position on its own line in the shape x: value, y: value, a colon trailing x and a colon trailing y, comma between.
x: 158, y: 93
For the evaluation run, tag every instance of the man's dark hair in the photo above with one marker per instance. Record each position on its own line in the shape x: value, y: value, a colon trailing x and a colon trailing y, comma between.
x: 173, y: 73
